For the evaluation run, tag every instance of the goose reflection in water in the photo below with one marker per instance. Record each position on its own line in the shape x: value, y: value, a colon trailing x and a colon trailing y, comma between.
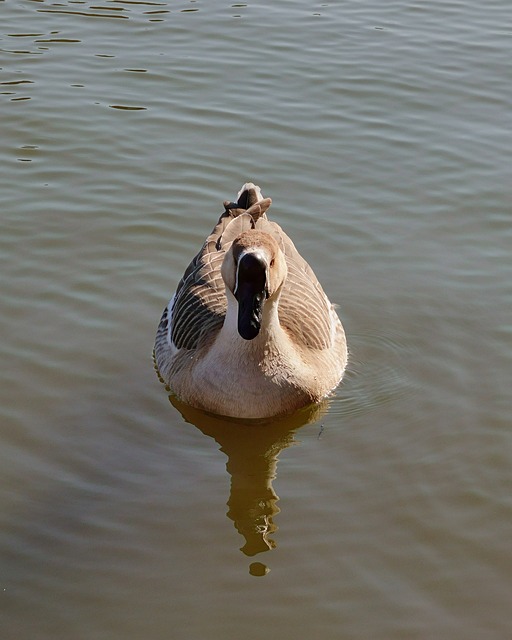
x: 252, y: 449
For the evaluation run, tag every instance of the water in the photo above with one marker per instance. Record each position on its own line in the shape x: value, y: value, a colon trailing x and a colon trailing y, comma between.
x: 382, y: 131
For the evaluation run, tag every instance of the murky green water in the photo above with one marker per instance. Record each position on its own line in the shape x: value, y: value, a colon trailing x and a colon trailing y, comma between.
x: 382, y: 131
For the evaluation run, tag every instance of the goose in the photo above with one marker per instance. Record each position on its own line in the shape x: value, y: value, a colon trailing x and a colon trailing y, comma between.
x: 249, y: 332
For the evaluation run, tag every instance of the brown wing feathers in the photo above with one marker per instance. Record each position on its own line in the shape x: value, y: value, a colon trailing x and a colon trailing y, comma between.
x: 200, y: 304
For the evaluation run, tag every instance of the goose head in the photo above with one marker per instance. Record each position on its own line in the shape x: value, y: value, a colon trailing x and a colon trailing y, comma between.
x: 254, y: 270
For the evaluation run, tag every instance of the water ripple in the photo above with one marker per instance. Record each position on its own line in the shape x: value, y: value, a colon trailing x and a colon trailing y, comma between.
x: 382, y: 133
x: 124, y: 107
x: 377, y: 374
x: 125, y: 9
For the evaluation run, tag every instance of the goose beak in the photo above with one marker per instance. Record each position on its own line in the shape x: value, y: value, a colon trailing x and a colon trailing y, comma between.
x: 250, y: 292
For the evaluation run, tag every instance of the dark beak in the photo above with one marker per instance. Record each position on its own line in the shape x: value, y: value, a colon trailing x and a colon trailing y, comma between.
x: 250, y: 292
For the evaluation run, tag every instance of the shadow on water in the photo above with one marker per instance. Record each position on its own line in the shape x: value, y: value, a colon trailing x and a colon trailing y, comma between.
x: 252, y: 449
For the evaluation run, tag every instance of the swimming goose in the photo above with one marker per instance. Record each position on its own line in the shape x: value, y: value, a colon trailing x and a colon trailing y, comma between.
x: 249, y: 332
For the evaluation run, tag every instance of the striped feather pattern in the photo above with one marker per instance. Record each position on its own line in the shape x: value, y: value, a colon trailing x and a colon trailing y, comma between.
x: 194, y: 318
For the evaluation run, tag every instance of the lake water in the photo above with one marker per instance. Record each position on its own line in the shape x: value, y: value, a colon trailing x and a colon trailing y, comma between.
x: 382, y: 131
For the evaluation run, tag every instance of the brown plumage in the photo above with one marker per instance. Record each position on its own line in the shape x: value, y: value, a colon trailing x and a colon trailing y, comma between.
x: 249, y: 332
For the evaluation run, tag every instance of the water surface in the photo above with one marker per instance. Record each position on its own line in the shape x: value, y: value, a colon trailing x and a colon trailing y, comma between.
x: 382, y: 132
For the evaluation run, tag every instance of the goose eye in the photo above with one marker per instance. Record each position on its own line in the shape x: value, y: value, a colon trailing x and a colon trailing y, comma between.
x: 272, y: 262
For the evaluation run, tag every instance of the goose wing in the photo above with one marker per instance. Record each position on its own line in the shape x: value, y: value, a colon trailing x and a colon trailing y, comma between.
x: 198, y: 307
x: 304, y: 309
